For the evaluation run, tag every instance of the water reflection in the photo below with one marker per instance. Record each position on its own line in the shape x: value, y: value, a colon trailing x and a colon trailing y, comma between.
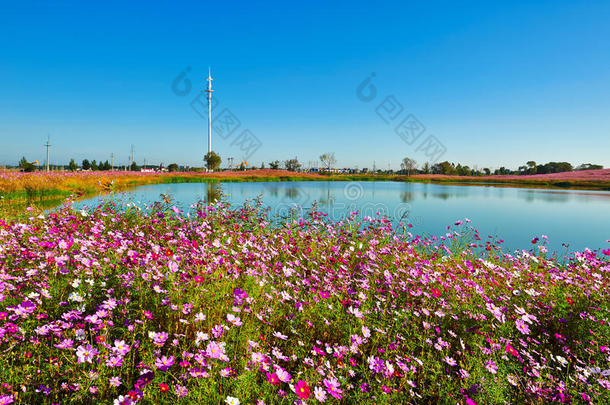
x: 213, y: 191
x: 515, y: 215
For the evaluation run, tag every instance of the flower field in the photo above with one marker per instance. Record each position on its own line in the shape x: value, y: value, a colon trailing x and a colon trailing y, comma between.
x: 120, y: 305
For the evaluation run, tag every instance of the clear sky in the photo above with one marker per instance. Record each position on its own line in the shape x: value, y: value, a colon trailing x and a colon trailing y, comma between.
x: 495, y: 84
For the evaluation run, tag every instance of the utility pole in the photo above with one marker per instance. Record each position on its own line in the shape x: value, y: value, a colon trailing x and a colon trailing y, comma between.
x: 47, y: 146
x: 132, y: 156
x: 209, y: 91
x: 112, y: 160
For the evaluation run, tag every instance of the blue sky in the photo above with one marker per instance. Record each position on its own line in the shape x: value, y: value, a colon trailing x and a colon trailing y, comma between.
x: 496, y: 84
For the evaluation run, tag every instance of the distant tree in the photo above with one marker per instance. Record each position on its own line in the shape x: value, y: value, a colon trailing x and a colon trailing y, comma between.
x: 72, y: 165
x: 173, y: 167
x: 274, y: 165
x: 212, y: 160
x: 105, y: 165
x: 589, y: 166
x: 263, y: 165
x: 94, y: 165
x: 242, y: 166
x: 487, y: 171
x: 408, y: 165
x: 292, y: 165
x: 463, y: 170
x: 445, y: 168
x: 426, y: 168
x: 26, y: 166
x: 555, y: 167
x: 531, y: 167
x: 328, y: 160
x: 85, y: 164
x: 134, y: 167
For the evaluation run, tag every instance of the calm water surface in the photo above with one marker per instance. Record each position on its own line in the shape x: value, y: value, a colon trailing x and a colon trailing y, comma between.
x: 578, y: 218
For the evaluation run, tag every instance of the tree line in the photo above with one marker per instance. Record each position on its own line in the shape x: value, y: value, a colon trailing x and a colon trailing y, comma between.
x: 408, y: 166
x: 447, y: 168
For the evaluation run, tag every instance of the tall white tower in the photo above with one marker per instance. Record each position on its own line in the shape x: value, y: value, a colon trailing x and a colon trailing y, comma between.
x: 209, y: 91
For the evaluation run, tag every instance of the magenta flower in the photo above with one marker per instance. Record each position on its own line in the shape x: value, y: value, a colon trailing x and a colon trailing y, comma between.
x: 302, y: 389
x: 273, y: 379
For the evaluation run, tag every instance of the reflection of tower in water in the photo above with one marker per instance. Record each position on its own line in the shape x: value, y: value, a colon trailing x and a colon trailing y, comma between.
x: 213, y: 191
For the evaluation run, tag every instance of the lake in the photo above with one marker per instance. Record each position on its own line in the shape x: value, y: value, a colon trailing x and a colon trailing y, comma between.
x: 577, y: 218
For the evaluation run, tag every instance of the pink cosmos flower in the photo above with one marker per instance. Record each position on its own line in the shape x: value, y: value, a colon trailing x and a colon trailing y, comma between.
x: 114, y: 381
x: 273, y: 379
x: 235, y: 320
x: 302, y: 389
x: 159, y: 338
x: 114, y: 361
x: 123, y: 400
x: 121, y: 347
x: 257, y: 357
x: 217, y: 331
x: 216, y: 350
x: 85, y: 353
x: 283, y: 375
x: 491, y: 366
x: 164, y: 363
x: 65, y: 344
x: 332, y: 386
x: 181, y: 391
x: 319, y: 394
x: 6, y: 399
x: 522, y: 327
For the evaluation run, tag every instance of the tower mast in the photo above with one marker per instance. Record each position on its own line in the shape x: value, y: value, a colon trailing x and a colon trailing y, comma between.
x: 209, y: 91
